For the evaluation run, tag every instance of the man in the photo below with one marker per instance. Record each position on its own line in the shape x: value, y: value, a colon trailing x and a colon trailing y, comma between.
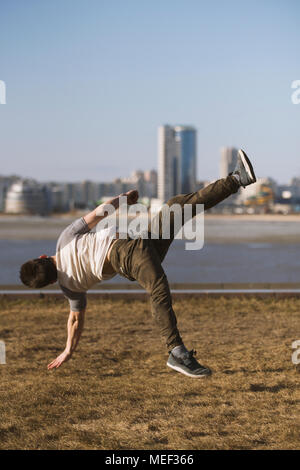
x: 84, y: 258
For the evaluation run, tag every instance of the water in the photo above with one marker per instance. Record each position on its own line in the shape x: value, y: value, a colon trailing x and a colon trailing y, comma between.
x: 215, y: 263
x: 236, y: 250
x: 13, y: 253
x: 247, y: 262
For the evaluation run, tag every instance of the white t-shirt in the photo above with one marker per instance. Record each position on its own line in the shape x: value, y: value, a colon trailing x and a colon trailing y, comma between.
x: 80, y: 256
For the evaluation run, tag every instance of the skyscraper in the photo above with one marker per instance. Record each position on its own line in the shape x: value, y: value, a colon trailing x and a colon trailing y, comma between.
x: 176, y: 160
x: 185, y: 137
x: 228, y: 160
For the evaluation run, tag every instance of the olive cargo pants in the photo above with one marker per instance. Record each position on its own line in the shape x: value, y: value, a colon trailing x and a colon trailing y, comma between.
x: 140, y: 258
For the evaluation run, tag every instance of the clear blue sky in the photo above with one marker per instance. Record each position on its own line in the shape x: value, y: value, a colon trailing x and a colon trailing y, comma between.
x: 89, y: 82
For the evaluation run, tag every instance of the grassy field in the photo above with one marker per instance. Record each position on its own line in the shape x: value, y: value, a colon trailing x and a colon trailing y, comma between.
x: 117, y: 393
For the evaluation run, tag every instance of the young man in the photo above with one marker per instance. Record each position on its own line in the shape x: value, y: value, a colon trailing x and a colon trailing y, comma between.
x: 84, y: 258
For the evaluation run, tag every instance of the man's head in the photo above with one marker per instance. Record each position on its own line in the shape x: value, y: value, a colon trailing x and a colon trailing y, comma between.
x: 39, y: 272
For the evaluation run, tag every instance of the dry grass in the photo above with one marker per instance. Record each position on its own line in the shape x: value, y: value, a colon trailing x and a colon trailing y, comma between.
x: 117, y: 393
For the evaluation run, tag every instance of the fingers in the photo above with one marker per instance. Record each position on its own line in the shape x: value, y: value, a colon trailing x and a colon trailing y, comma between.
x: 59, y: 361
x: 55, y: 364
x: 51, y: 365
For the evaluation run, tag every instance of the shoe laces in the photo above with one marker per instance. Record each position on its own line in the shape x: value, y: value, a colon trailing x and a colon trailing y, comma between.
x: 192, y: 352
x: 190, y: 356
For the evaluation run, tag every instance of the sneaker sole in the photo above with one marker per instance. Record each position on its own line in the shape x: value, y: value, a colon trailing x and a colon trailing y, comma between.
x: 247, y: 164
x: 178, y: 369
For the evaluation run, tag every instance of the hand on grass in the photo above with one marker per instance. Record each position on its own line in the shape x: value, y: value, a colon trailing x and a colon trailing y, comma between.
x: 63, y: 357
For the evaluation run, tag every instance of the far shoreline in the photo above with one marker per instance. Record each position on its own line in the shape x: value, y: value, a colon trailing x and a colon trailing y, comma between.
x: 208, y: 215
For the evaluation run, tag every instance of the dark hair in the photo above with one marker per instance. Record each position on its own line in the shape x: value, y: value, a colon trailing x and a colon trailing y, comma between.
x: 38, y: 272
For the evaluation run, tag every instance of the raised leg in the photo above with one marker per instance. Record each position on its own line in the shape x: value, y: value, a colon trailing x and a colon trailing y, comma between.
x: 209, y: 197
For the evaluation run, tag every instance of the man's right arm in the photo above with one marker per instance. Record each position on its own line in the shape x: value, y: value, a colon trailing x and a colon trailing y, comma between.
x: 74, y: 326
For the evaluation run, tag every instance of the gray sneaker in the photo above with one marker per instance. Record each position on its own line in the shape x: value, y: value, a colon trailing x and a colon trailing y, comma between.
x: 244, y: 169
x: 188, y: 365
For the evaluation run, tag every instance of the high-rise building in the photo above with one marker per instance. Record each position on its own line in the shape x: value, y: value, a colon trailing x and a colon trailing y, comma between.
x: 228, y: 160
x: 186, y: 137
x: 167, y: 162
x: 176, y: 160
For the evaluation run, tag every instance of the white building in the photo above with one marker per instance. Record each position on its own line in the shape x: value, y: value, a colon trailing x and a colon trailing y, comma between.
x: 27, y: 198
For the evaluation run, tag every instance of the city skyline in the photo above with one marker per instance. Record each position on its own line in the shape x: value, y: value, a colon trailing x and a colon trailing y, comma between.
x: 218, y: 173
x: 87, y: 86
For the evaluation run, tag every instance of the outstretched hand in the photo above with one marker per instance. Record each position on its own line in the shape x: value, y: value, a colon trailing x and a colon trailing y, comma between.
x: 63, y: 357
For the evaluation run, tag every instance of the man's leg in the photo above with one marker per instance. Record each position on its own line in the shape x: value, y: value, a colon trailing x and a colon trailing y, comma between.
x: 243, y: 175
x: 209, y: 197
x: 138, y: 260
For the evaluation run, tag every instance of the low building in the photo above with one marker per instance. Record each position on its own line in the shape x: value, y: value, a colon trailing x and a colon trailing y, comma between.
x: 27, y: 197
